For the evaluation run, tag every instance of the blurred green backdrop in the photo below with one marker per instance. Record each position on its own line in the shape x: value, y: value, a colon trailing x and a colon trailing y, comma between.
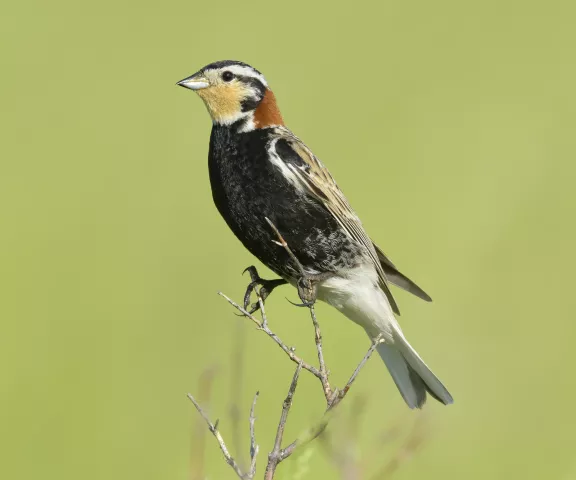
x: 455, y: 143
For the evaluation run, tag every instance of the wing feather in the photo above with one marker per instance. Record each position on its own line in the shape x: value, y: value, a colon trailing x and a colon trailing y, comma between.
x: 315, y: 179
x: 397, y: 278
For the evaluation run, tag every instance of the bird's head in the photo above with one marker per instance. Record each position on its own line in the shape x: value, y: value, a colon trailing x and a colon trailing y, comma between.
x: 235, y: 92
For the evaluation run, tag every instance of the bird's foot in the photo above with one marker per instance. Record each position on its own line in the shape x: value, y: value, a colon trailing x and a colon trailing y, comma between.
x: 266, y: 287
x: 307, y: 291
x: 307, y: 286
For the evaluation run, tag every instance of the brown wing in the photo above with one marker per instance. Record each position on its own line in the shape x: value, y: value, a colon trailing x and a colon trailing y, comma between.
x: 315, y: 178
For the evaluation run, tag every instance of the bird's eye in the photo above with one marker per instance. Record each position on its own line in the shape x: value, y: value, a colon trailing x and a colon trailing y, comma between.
x: 227, y: 76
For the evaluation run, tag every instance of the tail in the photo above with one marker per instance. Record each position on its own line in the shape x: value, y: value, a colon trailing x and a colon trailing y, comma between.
x: 356, y: 295
x: 411, y: 375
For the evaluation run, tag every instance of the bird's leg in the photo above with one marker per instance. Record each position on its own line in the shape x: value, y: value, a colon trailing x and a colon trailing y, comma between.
x: 307, y: 291
x: 266, y: 287
x: 307, y: 286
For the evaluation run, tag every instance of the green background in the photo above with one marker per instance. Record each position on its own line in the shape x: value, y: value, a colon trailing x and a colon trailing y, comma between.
x: 451, y: 128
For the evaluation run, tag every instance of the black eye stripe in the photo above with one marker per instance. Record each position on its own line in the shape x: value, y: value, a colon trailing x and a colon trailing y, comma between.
x: 252, y: 102
x: 253, y: 82
x: 228, y: 76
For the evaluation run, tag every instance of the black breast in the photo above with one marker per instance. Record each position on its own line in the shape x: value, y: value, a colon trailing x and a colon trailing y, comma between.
x: 247, y: 188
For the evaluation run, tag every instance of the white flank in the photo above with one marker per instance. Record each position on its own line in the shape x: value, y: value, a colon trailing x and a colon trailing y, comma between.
x: 357, y: 295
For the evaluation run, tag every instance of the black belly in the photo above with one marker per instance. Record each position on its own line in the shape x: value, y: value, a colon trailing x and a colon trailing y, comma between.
x: 247, y: 188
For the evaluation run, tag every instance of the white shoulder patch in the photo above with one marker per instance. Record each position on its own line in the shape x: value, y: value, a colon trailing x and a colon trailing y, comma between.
x: 283, y: 167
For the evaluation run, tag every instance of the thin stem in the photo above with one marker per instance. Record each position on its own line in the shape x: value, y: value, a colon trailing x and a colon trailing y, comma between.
x: 337, y: 397
x: 333, y: 396
x: 199, y: 436
x: 264, y: 327
x: 323, y: 371
x: 237, y: 370
x: 213, y: 427
x: 253, y: 445
x: 284, y: 244
x: 276, y: 455
x: 342, y: 393
x: 318, y: 335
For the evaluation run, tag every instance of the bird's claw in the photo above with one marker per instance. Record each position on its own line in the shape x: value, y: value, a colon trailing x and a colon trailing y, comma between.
x: 303, y: 304
x: 266, y: 287
x: 306, y: 290
x: 253, y: 273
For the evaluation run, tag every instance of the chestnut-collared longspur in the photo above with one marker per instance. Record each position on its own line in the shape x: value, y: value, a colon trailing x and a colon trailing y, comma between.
x: 262, y: 174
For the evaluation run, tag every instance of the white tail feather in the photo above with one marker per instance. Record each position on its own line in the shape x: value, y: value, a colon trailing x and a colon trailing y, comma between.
x: 358, y: 296
x: 420, y: 370
x: 413, y: 392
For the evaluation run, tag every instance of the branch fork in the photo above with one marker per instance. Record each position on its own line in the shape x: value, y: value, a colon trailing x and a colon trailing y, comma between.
x: 333, y: 396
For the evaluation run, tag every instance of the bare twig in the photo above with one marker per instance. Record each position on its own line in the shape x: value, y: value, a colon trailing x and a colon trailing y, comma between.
x: 277, y: 454
x: 213, y: 427
x: 284, y: 244
x: 323, y: 371
x: 237, y: 370
x: 264, y: 327
x: 253, y: 445
x: 252, y: 472
x: 317, y: 333
x: 263, y: 312
x: 333, y: 396
x: 342, y: 393
x: 199, y: 435
x: 337, y: 397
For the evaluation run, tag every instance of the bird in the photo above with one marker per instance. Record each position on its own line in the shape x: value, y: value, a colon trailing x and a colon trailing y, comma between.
x: 265, y: 179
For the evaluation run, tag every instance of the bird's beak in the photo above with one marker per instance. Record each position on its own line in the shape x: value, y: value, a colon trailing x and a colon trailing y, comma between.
x: 194, y: 82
